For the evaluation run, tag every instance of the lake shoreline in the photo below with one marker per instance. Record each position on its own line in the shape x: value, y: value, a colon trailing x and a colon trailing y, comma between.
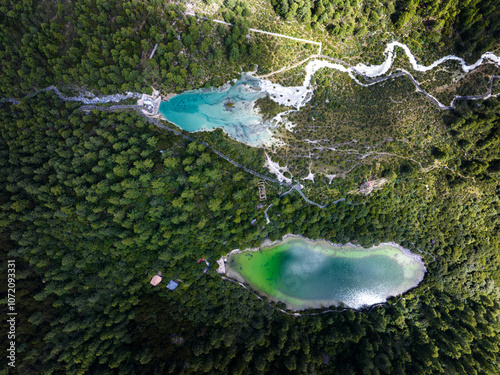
x: 411, y: 264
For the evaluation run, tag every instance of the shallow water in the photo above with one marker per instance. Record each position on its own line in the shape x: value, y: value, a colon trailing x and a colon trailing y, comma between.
x: 230, y: 108
x: 311, y: 274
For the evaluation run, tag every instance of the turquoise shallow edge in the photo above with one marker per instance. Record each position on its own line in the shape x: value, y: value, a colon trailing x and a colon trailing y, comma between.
x: 230, y: 108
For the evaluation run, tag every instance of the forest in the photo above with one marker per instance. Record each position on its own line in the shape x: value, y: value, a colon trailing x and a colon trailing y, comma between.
x: 94, y: 209
x: 94, y: 204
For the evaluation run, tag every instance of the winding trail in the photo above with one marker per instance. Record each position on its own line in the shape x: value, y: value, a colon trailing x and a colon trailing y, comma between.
x: 372, y: 71
x: 265, y: 214
x: 437, y: 103
x: 298, y: 315
x: 10, y: 100
x: 297, y: 187
x: 286, y: 68
x: 425, y: 252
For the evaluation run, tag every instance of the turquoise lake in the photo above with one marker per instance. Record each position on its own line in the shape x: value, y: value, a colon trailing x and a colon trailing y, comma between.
x: 230, y: 108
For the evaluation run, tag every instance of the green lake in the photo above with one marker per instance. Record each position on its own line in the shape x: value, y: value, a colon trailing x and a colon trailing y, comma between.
x: 315, y: 274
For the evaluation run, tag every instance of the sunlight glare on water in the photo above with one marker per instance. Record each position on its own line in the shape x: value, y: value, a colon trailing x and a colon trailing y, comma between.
x: 307, y: 274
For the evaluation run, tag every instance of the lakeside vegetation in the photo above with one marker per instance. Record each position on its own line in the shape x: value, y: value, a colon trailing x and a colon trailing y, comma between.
x: 93, y: 205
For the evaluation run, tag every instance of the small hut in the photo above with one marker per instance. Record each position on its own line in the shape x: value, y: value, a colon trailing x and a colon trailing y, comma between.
x: 155, y: 280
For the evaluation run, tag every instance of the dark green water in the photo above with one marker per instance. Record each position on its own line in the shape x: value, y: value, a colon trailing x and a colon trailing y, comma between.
x: 306, y: 274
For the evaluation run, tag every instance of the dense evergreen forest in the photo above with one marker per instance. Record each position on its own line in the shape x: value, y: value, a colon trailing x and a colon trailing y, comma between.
x: 471, y: 26
x: 105, y: 46
x: 95, y: 209
x: 94, y: 204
